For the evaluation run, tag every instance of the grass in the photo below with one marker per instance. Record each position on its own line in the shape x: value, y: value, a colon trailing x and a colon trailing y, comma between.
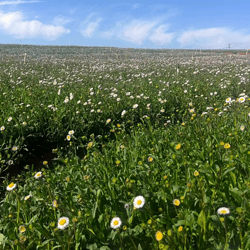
x: 113, y: 149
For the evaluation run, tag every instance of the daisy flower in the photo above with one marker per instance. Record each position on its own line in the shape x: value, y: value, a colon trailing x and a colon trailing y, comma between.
x: 63, y: 222
x: 228, y: 100
x: 38, y: 175
x: 27, y: 197
x: 68, y: 137
x: 14, y: 148
x: 11, y: 186
x: 223, y: 211
x: 139, y: 202
x: 135, y: 106
x: 108, y: 121
x: 9, y: 119
x: 159, y: 235
x: 2, y: 128
x: 124, y: 112
x: 71, y: 132
x: 115, y: 223
x: 196, y: 173
x: 22, y: 229
x: 242, y: 128
x: 241, y: 99
x: 176, y: 202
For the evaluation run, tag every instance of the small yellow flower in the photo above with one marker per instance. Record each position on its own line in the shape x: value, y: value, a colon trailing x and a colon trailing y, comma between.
x: 176, y: 202
x: 150, y: 159
x: 54, y: 203
x: 67, y: 179
x: 23, y: 238
x: 45, y: 163
x: 196, y: 173
x: 159, y: 235
x: 180, y: 228
x: 22, y: 229
x: 183, y: 124
x: 118, y: 125
x: 227, y: 145
x: 222, y: 143
x: 178, y: 146
x: 90, y: 144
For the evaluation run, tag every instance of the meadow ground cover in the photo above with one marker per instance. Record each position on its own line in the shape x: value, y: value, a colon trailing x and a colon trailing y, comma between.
x: 129, y: 153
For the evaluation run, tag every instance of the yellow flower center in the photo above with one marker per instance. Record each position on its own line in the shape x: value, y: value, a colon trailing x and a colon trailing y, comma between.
x: 62, y: 222
x: 38, y: 175
x: 223, y: 211
x: 11, y: 185
x: 116, y: 222
x: 139, y: 202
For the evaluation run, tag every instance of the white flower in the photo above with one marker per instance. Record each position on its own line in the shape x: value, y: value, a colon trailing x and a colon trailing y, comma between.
x: 9, y: 119
x: 78, y: 102
x: 2, y: 128
x: 223, y: 211
x: 63, y: 222
x: 11, y: 186
x: 24, y: 123
x: 66, y: 100
x: 71, y: 132
x: 228, y: 100
x: 242, y: 127
x: 68, y: 137
x: 27, y: 197
x: 59, y: 92
x: 10, y: 162
x: 124, y: 112
x: 162, y: 110
x: 241, y: 100
x: 108, y: 121
x: 14, y: 148
x: 135, y: 106
x: 38, y: 175
x: 71, y: 96
x: 115, y: 223
x: 139, y: 201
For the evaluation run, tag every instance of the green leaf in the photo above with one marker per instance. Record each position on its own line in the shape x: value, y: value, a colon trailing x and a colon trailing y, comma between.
x: 139, y: 247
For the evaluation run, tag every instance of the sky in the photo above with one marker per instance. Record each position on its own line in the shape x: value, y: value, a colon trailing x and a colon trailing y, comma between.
x: 179, y: 24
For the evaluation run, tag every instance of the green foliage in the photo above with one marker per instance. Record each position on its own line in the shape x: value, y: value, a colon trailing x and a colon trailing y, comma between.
x: 152, y: 177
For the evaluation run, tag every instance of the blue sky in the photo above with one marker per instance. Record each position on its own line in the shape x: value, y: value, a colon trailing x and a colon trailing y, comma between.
x: 156, y: 24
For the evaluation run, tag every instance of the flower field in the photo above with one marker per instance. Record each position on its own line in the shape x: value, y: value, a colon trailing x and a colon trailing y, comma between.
x: 105, y: 148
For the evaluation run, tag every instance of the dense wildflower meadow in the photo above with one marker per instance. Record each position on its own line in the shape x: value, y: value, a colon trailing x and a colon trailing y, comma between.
x: 105, y: 148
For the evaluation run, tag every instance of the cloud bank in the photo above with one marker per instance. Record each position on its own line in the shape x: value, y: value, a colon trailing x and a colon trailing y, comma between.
x: 13, y: 23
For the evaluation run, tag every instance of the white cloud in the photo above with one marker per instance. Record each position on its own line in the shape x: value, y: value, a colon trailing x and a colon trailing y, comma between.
x: 89, y: 26
x: 14, y: 24
x: 61, y: 20
x: 136, y: 31
x: 214, y: 38
x: 18, y: 2
x: 159, y: 36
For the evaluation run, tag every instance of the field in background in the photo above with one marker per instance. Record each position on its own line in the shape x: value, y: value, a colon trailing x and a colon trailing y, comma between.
x: 107, y: 148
